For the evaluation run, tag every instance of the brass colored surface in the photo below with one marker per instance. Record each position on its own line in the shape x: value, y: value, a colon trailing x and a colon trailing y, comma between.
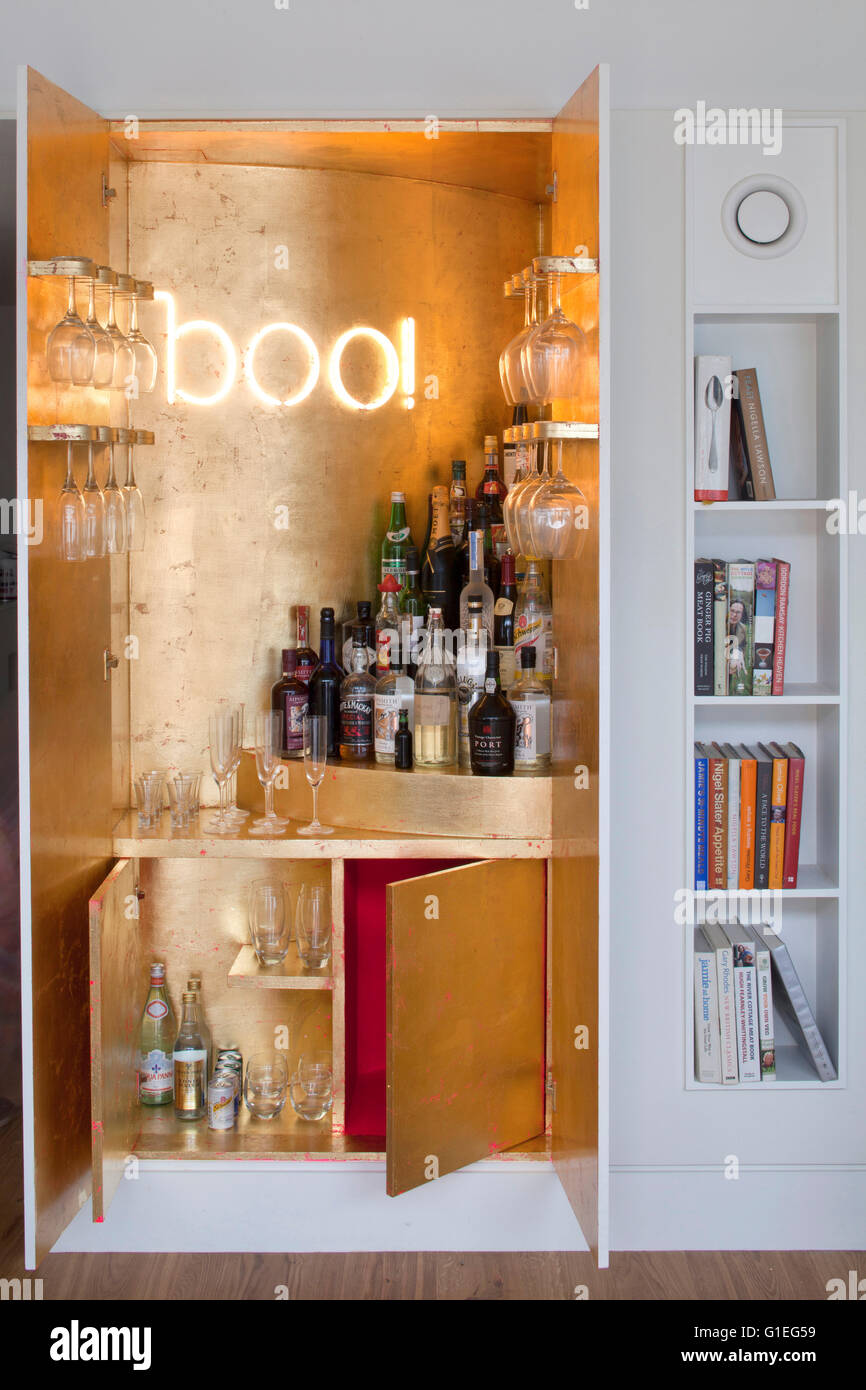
x: 465, y: 1030
x: 69, y: 703
x: 291, y: 973
x: 338, y: 970
x: 118, y: 177
x: 286, y: 1137
x: 61, y: 434
x: 118, y: 965
x: 77, y: 266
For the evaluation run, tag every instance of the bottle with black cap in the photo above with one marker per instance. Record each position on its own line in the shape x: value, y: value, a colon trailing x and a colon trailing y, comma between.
x: 491, y: 728
x: 403, y: 743
x: 325, y: 682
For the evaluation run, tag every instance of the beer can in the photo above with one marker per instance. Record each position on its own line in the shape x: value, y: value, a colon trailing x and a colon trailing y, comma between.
x: 222, y: 1100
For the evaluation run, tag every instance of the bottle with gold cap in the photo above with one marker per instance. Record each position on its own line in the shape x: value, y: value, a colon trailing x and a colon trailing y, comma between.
x: 189, y: 1062
x: 491, y: 488
x: 194, y: 983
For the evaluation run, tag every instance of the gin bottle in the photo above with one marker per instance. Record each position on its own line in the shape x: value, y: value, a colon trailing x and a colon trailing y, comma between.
x: 395, y: 693
x: 190, y: 1064
x: 435, y: 699
x: 530, y: 700
x: 156, y: 1041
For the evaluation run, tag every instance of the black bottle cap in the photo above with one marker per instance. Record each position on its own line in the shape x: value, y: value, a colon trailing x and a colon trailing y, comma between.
x: 359, y: 634
x: 326, y: 622
x: 492, y: 665
x: 364, y: 608
x: 403, y: 719
x: 527, y: 658
x: 458, y: 468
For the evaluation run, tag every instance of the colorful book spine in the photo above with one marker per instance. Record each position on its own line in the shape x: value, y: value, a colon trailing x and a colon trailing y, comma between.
x: 700, y: 818
x: 748, y: 778
x: 766, y: 1021
x: 733, y: 814
x: 746, y: 1010
x: 703, y: 627
x: 783, y: 585
x: 740, y: 628
x: 720, y: 943
x: 793, y: 812
x: 764, y: 627
x: 717, y: 817
x: 708, y: 1063
x: 747, y: 403
x: 720, y: 626
x: 763, y: 804
x: 778, y: 809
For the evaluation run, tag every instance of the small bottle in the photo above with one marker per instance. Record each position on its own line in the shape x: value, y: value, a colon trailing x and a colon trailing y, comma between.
x: 395, y: 692
x: 413, y: 610
x: 471, y: 672
x: 194, y: 984
x: 189, y: 1061
x: 503, y: 622
x: 397, y: 540
x: 457, y: 500
x: 530, y: 700
x: 491, y: 728
x: 533, y: 620
x: 357, y: 693
x: 403, y: 744
x: 435, y: 699
x: 365, y: 618
x: 290, y: 698
x: 156, y: 1043
x: 326, y: 681
x: 306, y: 659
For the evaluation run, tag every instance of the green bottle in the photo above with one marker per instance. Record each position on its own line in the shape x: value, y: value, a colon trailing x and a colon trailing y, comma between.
x: 397, y: 540
x: 156, y: 1043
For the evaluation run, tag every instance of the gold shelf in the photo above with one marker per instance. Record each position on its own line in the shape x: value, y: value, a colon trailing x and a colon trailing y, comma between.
x: 247, y: 973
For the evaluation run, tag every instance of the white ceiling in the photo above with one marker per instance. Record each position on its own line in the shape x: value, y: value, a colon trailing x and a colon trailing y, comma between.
x: 448, y: 57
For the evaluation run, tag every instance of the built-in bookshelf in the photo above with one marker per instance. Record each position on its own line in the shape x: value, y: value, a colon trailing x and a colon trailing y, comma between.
x: 798, y: 350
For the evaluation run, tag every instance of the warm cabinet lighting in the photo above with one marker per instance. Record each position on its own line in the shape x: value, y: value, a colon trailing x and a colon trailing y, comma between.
x: 175, y: 333
x: 312, y: 364
x: 392, y: 368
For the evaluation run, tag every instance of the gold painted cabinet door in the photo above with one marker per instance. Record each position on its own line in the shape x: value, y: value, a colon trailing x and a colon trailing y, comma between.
x: 117, y: 972
x: 465, y: 1031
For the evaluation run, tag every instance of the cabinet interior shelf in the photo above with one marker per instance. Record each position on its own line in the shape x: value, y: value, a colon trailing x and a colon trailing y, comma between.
x: 778, y: 504
x: 793, y: 1073
x: 795, y: 694
x: 247, y: 973
x: 812, y: 882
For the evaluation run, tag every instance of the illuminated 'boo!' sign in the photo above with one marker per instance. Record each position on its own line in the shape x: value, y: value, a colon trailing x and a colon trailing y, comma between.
x: 396, y: 368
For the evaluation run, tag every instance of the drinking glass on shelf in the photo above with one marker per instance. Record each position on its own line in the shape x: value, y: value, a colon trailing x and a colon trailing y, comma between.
x: 115, y: 510
x: 313, y: 924
x: 315, y: 735
x: 223, y: 732
x: 265, y: 1084
x: 520, y: 513
x: 312, y: 1086
x: 180, y: 789
x: 71, y: 346
x: 135, y: 514
x: 234, y: 813
x: 71, y: 520
x: 269, y: 741
x: 124, y: 353
x: 94, y: 513
x: 554, y: 357
x: 558, y: 516
x: 103, y: 356
x: 148, y: 798
x: 270, y: 922
x: 143, y: 349
x: 525, y: 471
x: 520, y: 389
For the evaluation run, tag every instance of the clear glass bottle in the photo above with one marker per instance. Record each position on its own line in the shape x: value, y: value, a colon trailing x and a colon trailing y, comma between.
x: 156, y: 1043
x: 530, y: 700
x: 357, y: 692
x: 413, y: 611
x: 471, y: 671
x: 189, y: 1063
x: 194, y: 984
x: 388, y: 616
x: 476, y: 586
x: 503, y: 622
x: 435, y: 699
x: 457, y: 500
x: 533, y: 625
x: 395, y: 691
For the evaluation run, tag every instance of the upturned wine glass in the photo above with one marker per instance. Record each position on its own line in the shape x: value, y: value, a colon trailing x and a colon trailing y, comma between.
x: 315, y: 734
x: 554, y: 357
x: 269, y: 741
x: 71, y: 346
x: 94, y: 513
x: 72, y: 515
x: 124, y: 354
x: 136, y: 517
x: 146, y: 362
x: 520, y: 513
x: 525, y: 470
x: 520, y: 390
x: 115, y: 509
x: 558, y: 516
x: 103, y: 356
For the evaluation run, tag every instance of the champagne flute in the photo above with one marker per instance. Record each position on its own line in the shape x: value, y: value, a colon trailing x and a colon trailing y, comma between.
x: 72, y: 517
x: 269, y: 741
x: 94, y: 513
x: 115, y: 502
x: 71, y: 346
x: 315, y: 733
x: 223, y: 732
x: 234, y: 812
x: 136, y: 518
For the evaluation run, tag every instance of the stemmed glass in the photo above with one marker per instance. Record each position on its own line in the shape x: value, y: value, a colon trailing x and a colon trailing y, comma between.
x: 103, y: 358
x: 522, y: 503
x: 554, y: 357
x: 269, y: 741
x: 145, y: 353
x: 315, y: 735
x: 72, y: 516
x: 525, y: 471
x: 115, y: 508
x: 558, y: 516
x: 223, y: 731
x: 124, y: 354
x: 136, y: 518
x: 513, y: 288
x: 71, y: 346
x: 94, y: 513
x: 520, y: 390
x: 234, y: 812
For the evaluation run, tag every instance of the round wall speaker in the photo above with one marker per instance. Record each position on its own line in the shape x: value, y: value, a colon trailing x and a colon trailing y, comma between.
x: 764, y: 216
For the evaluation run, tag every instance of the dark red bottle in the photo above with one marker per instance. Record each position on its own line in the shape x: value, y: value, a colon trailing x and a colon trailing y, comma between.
x: 290, y: 697
x: 306, y: 658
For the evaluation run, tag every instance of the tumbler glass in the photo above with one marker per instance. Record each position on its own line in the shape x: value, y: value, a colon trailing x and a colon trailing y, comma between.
x: 312, y: 1086
x: 270, y: 922
x: 313, y: 923
x: 265, y: 1084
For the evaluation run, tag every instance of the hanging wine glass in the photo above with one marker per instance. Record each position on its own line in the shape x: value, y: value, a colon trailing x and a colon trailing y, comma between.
x: 136, y: 519
x: 520, y: 390
x: 124, y: 355
x: 513, y: 288
x: 71, y: 346
x: 72, y: 517
x: 145, y: 353
x: 525, y: 470
x: 94, y: 513
x: 103, y: 357
x: 558, y: 516
x: 555, y: 356
x: 115, y: 503
x: 521, y: 508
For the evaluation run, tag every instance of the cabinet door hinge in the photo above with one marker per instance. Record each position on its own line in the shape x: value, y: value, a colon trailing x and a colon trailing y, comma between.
x: 552, y: 189
x: 109, y: 663
x: 551, y: 1089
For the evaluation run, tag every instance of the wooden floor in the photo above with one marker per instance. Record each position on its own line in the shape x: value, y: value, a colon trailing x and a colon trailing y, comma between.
x: 764, y: 1275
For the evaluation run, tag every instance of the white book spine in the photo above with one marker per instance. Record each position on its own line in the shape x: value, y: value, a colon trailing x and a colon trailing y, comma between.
x: 748, y: 1050
x: 708, y: 1051
x: 733, y: 823
x: 727, y: 1013
x: 766, y: 1026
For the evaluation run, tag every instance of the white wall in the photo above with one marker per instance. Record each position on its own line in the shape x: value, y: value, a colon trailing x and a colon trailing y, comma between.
x: 657, y: 1124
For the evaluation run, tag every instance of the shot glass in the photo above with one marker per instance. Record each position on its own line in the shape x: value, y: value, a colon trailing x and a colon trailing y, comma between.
x: 312, y: 1086
x: 265, y: 1084
x: 148, y: 797
x: 314, y: 925
x: 179, y: 789
x: 195, y: 791
x: 270, y: 921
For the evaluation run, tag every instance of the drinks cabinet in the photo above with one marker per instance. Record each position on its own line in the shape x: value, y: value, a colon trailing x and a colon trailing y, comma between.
x: 328, y: 315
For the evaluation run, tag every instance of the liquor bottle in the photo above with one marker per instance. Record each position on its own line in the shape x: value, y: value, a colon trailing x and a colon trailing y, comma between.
x: 365, y: 618
x: 156, y: 1043
x: 290, y: 697
x: 492, y: 567
x: 440, y: 581
x: 435, y: 698
x: 530, y: 700
x: 189, y: 1061
x: 475, y: 586
x: 194, y: 984
x: 426, y: 542
x: 491, y: 487
x: 457, y: 500
x: 356, y: 704
x: 403, y: 744
x: 471, y: 671
x: 503, y: 623
x: 307, y: 660
x: 491, y: 727
x: 533, y: 620
x: 388, y: 616
x: 326, y: 681
x: 512, y: 447
x: 397, y: 539
x: 413, y: 609
x: 395, y: 692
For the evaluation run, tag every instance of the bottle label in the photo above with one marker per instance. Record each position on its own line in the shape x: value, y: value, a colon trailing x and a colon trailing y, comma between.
x: 398, y: 537
x: 304, y: 670
x: 156, y: 1009
x: 387, y: 718
x: 295, y: 706
x: 189, y: 1082
x: 154, y: 1073
x: 397, y: 567
x: 532, y: 730
x: 432, y: 710
x: 502, y: 607
x: 537, y: 631
x: 356, y: 721
x: 489, y: 748
x: 507, y: 667
x: 490, y: 685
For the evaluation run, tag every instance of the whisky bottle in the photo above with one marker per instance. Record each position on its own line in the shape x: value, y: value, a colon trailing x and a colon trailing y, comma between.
x: 306, y: 658
x: 189, y: 1062
x: 530, y: 700
x: 533, y: 622
x: 290, y: 698
x: 491, y: 728
x: 440, y: 582
x: 471, y: 671
x: 357, y: 693
x: 395, y: 692
x: 435, y: 698
x: 326, y: 681
x: 503, y: 623
x: 397, y: 540
x: 156, y: 1042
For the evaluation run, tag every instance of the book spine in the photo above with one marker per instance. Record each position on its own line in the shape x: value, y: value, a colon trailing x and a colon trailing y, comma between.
x: 778, y: 807
x: 795, y: 1006
x: 703, y: 627
x: 708, y: 1051
x: 733, y: 823
x: 717, y: 823
x: 739, y: 457
x: 720, y: 627
x: 764, y: 627
x: 783, y: 573
x: 745, y: 994
x: 766, y: 1025
x: 763, y: 795
x: 748, y: 779
x: 793, y: 820
x: 754, y: 434
x: 700, y: 822
x: 740, y: 626
x: 727, y: 1014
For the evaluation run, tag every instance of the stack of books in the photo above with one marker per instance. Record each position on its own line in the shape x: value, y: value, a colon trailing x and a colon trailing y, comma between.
x: 748, y: 815
x: 732, y: 457
x: 741, y: 626
x: 743, y: 974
